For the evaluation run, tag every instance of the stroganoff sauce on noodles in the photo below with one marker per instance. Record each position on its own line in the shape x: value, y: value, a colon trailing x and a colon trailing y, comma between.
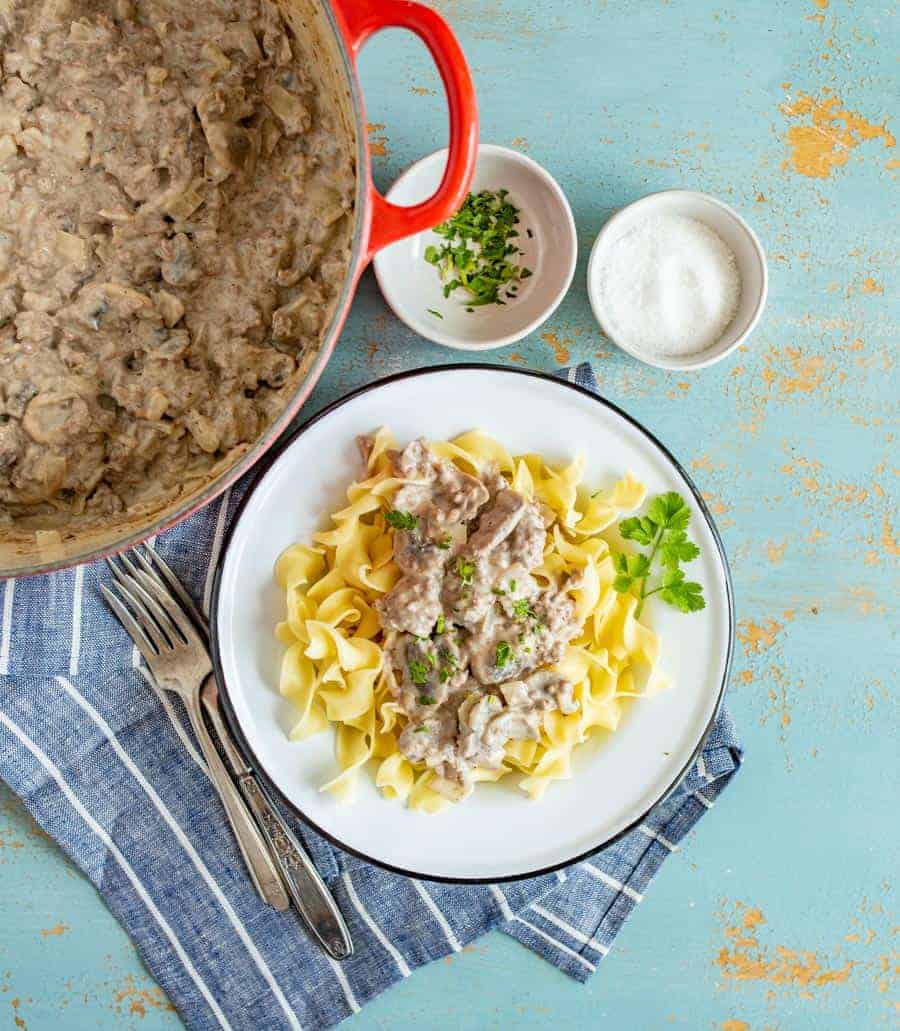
x: 459, y: 622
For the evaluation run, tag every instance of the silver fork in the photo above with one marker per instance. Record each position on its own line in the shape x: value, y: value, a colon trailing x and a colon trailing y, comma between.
x: 179, y: 662
x: 149, y: 591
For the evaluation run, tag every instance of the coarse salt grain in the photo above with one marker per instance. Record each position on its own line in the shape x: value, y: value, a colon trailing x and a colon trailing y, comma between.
x: 669, y: 287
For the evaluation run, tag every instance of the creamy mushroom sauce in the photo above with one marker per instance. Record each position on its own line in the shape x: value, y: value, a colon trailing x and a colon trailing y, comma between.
x: 470, y: 629
x: 175, y: 210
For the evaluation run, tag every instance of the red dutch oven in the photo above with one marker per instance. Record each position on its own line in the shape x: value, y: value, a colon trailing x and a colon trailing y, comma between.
x: 337, y: 32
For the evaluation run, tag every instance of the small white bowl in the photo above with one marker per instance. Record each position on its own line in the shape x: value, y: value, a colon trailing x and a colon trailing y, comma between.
x: 411, y: 286
x: 740, y: 238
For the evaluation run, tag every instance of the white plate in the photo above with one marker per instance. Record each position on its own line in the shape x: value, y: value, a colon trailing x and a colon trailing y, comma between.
x: 497, y: 833
x: 546, y: 238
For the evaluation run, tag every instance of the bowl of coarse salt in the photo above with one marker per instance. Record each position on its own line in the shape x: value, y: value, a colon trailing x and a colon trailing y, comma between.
x: 677, y: 279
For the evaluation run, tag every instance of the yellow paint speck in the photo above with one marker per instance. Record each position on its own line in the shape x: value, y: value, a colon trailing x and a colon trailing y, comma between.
x: 716, y: 506
x: 744, y: 959
x: 758, y: 637
x: 833, y: 131
x: 54, y: 932
x: 17, y: 1017
x: 888, y: 541
x: 560, y: 347
x: 870, y: 286
x: 775, y: 552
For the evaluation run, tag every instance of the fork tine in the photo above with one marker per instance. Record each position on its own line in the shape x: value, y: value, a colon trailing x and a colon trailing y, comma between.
x: 150, y: 591
x: 156, y: 611
x: 175, y: 612
x: 128, y: 621
x: 142, y: 614
x: 157, y: 567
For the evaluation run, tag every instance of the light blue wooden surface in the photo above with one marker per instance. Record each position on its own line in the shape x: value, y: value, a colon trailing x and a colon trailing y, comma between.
x: 792, y: 441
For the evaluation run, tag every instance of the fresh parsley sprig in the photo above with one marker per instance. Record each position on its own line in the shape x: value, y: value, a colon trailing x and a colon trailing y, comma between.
x: 664, y: 531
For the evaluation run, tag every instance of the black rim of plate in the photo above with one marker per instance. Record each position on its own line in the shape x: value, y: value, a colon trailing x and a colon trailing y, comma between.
x: 263, y: 467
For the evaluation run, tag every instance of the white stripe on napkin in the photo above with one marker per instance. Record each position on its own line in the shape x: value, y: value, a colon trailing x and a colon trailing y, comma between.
x: 438, y: 915
x: 557, y: 944
x: 501, y: 902
x: 187, y: 845
x: 595, y: 871
x: 563, y: 925
x: 75, y: 650
x: 48, y: 765
x: 670, y: 845
x: 702, y: 770
x: 6, y: 625
x: 344, y: 983
x: 391, y: 949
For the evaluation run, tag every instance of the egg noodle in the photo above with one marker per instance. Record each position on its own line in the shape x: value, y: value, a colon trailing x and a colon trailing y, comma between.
x: 334, y: 666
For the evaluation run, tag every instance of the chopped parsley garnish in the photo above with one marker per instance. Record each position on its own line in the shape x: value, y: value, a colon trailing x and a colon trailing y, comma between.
x: 426, y: 699
x: 418, y: 672
x: 421, y: 730
x: 444, y: 675
x: 512, y: 585
x: 477, y: 250
x: 401, y: 520
x: 498, y: 590
x: 522, y: 610
x: 465, y: 570
x: 445, y: 542
x: 436, y: 314
x: 432, y: 661
x: 441, y: 625
x: 503, y: 654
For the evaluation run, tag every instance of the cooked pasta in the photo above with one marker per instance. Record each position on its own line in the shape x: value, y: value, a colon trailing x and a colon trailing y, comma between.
x: 342, y: 634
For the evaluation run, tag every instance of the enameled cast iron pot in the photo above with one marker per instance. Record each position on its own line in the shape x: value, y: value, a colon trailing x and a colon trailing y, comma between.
x: 336, y: 31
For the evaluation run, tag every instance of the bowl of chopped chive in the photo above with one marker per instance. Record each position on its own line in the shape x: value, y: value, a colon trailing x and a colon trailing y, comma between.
x: 494, y: 271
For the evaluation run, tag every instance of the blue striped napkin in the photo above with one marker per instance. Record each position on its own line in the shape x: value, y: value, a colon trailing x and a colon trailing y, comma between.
x: 106, y: 767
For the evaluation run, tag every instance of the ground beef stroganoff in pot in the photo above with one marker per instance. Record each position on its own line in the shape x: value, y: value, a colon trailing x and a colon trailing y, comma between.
x: 175, y: 209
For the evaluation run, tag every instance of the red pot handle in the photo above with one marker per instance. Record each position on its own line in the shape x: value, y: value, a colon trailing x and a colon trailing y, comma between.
x: 359, y: 19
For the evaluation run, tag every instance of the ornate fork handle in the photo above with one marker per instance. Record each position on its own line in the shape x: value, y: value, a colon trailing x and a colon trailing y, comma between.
x: 253, y: 848
x: 305, y: 886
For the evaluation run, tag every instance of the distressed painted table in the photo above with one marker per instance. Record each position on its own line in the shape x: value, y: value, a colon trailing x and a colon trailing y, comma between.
x: 778, y: 912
